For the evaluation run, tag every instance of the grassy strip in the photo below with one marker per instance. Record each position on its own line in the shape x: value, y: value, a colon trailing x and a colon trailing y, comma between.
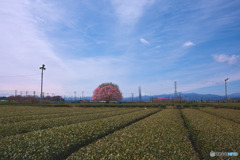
x: 59, y: 142
x: 79, y: 112
x: 211, y: 133
x: 33, y: 125
x: 230, y: 114
x: 160, y: 136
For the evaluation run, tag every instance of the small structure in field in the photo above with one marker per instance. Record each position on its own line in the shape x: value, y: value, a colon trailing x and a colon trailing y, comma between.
x: 158, y: 99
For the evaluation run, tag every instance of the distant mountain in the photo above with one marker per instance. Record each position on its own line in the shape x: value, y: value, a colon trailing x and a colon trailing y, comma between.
x: 235, y: 95
x: 187, y: 96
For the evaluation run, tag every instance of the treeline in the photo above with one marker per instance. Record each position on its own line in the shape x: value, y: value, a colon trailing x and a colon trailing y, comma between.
x: 229, y: 105
x: 30, y: 99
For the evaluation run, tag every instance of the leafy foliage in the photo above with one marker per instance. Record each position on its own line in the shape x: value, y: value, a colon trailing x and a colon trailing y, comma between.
x: 230, y: 114
x: 33, y: 125
x: 212, y: 133
x: 107, y: 92
x: 161, y: 136
x: 58, y: 142
x: 115, y: 133
x: 55, y: 114
x: 108, y: 84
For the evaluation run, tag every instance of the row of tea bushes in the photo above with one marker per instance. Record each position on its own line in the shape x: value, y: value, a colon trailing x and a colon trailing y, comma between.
x: 10, y: 111
x: 114, y: 105
x: 160, y: 136
x: 231, y: 105
x: 230, y: 114
x: 212, y: 133
x: 207, y: 105
x: 60, y: 142
x: 75, y: 112
x: 33, y: 125
x: 188, y: 105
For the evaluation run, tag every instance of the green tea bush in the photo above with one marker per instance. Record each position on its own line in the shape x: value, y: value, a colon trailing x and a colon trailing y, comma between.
x: 212, y: 133
x: 39, y: 116
x: 160, y: 136
x: 59, y: 142
x: 231, y: 114
x: 33, y: 125
x: 179, y: 106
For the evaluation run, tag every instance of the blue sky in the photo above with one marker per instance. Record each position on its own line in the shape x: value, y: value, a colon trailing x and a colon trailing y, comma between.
x: 147, y: 43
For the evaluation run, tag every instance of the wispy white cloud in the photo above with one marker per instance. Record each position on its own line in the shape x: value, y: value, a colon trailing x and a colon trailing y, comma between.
x: 224, y: 58
x: 210, y: 82
x: 128, y: 12
x: 144, y: 41
x: 188, y: 44
x: 23, y: 48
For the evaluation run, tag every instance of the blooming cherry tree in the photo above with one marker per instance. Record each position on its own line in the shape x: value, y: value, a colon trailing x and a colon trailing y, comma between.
x: 107, y: 92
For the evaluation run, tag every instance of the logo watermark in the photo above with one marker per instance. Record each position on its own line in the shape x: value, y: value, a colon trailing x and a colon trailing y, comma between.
x: 212, y: 153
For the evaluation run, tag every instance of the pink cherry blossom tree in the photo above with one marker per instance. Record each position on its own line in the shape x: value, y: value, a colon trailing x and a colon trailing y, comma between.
x: 107, y: 92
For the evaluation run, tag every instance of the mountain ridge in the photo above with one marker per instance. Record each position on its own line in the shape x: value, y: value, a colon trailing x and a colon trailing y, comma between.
x: 187, y: 96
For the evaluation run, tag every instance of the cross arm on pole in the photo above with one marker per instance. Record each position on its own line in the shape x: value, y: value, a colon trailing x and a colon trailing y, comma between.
x: 43, y: 67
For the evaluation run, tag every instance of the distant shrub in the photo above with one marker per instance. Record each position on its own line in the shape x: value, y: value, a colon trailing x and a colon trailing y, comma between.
x: 202, y: 105
x: 195, y: 105
x: 178, y: 106
x: 162, y: 106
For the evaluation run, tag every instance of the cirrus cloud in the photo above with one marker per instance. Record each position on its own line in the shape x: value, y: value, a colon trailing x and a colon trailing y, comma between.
x: 144, y: 41
x: 188, y: 44
x: 224, y: 58
x: 129, y: 12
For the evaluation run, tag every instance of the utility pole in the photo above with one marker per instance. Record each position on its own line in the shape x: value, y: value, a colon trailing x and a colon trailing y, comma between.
x: 180, y: 96
x: 175, y: 85
x: 82, y: 94
x: 26, y: 93
x: 75, y: 96
x: 42, y: 68
x: 132, y: 97
x: 226, y: 89
x: 34, y: 94
x: 15, y: 93
x: 21, y: 93
x: 140, y: 94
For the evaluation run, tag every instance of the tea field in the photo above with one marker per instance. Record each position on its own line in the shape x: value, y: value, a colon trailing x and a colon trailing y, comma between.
x: 31, y: 132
